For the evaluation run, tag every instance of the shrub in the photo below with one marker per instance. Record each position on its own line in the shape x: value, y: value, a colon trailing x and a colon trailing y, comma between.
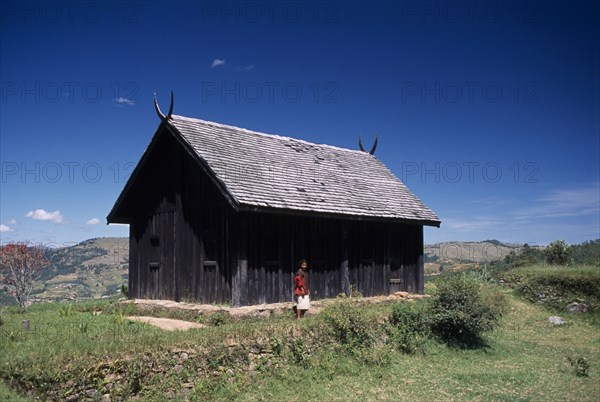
x: 581, y: 367
x: 217, y: 319
x: 301, y: 352
x: 410, y: 327
x: 349, y: 325
x: 587, y: 252
x: 558, y: 253
x: 461, y: 312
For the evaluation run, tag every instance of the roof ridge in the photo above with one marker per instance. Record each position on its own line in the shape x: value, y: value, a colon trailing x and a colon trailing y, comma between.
x: 284, y: 137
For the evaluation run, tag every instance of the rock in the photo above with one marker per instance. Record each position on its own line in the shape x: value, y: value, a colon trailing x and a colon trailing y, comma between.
x: 110, y: 378
x: 401, y: 294
x: 184, y: 356
x: 577, y: 308
x: 105, y: 398
x: 262, y: 313
x: 178, y: 368
x: 556, y: 320
x: 187, y: 385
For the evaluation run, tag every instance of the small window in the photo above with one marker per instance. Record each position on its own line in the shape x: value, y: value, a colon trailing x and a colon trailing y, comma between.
x: 209, y: 248
x: 154, y: 252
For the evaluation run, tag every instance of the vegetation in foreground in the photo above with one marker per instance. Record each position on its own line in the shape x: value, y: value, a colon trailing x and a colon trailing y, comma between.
x: 352, y: 351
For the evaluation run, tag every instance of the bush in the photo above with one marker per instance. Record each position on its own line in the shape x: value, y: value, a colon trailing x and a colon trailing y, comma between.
x: 410, y: 327
x: 581, y: 367
x: 349, y: 325
x: 217, y: 319
x: 461, y: 310
x: 526, y: 256
x: 558, y: 253
x: 301, y: 352
x: 587, y: 252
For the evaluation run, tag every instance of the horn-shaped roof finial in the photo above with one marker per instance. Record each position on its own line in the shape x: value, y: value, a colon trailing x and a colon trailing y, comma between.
x: 373, y: 148
x: 160, y: 113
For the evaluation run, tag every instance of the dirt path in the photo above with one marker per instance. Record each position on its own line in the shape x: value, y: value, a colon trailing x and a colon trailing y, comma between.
x: 261, y: 310
x: 167, y: 324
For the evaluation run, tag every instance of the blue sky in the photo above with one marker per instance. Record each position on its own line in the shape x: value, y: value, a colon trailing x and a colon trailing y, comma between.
x: 487, y: 110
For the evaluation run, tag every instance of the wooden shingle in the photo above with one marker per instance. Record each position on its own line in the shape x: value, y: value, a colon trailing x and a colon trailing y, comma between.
x: 263, y: 171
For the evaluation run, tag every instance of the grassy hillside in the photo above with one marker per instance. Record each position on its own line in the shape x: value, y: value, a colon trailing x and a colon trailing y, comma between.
x: 556, y: 287
x: 91, y: 269
x: 457, y: 255
x: 72, y: 351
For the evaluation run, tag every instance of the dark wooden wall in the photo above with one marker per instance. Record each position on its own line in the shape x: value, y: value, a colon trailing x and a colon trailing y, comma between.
x: 187, y: 243
x: 179, y: 233
x: 362, y: 254
x: 203, y: 233
x: 152, y: 236
x: 275, y: 244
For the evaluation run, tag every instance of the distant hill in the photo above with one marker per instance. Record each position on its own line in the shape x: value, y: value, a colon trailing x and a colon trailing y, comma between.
x: 457, y: 255
x: 91, y: 269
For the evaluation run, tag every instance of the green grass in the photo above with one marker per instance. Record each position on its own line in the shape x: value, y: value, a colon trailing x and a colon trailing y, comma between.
x: 555, y: 287
x: 7, y: 394
x: 578, y: 270
x: 526, y: 359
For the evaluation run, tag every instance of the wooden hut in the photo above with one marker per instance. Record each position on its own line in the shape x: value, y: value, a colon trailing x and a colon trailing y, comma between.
x: 221, y: 214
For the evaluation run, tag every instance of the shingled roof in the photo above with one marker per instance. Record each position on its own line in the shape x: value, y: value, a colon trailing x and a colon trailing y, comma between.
x: 262, y: 171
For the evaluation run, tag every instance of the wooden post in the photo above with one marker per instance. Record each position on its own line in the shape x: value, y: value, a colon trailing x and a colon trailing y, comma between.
x: 420, y: 264
x: 239, y: 293
x: 344, y: 272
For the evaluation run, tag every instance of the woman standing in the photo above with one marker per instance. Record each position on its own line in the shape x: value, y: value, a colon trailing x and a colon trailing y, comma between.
x: 302, y: 289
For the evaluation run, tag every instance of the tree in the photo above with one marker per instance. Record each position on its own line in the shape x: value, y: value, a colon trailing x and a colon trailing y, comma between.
x: 558, y: 253
x: 587, y: 252
x: 20, y: 265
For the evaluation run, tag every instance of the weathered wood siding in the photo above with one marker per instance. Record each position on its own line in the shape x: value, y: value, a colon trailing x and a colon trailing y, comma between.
x: 203, y: 238
x: 406, y: 256
x: 152, y: 235
x: 361, y: 254
x: 275, y: 244
x: 178, y: 237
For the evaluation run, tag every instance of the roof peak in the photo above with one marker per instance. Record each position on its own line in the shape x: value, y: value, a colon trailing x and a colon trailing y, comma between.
x: 253, y: 132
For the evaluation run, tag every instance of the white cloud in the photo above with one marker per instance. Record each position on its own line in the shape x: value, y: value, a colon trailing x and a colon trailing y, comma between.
x: 11, y: 222
x: 43, y: 215
x: 470, y: 224
x: 581, y: 201
x: 246, y: 68
x: 125, y: 101
x: 93, y: 221
x: 217, y: 63
x: 5, y: 228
